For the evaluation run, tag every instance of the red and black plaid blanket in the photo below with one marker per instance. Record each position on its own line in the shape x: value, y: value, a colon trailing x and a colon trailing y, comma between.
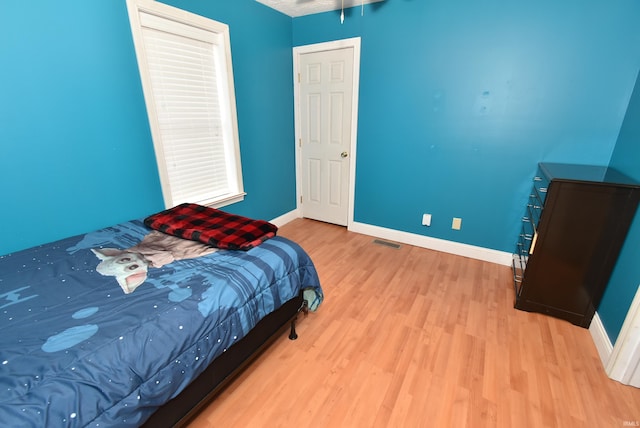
x: 212, y: 227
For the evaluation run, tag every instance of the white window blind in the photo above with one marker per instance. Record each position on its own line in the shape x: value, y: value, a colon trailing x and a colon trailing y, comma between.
x: 185, y: 65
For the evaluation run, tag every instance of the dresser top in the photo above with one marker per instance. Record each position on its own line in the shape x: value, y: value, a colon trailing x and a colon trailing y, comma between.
x: 591, y: 173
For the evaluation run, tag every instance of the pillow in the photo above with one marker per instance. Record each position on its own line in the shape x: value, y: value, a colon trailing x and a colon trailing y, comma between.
x: 212, y: 226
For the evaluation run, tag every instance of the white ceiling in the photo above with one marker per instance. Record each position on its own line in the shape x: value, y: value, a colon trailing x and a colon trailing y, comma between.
x: 295, y: 8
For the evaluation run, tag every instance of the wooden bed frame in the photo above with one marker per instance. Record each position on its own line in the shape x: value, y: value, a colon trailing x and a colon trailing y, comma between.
x: 221, y: 372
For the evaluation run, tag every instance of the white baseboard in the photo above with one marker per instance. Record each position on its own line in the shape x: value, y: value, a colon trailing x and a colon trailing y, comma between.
x: 601, y: 339
x: 465, y: 250
x: 286, y: 218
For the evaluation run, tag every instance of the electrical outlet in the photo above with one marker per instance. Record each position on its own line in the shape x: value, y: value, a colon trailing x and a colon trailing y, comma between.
x: 456, y: 224
x: 426, y: 219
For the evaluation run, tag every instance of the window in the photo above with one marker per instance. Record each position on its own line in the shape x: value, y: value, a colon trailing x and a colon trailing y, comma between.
x: 187, y: 79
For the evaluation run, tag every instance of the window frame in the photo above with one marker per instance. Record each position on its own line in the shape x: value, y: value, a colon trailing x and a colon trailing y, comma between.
x: 225, y: 100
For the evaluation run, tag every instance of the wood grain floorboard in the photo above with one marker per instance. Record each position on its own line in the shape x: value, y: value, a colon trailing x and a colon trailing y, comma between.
x: 410, y: 337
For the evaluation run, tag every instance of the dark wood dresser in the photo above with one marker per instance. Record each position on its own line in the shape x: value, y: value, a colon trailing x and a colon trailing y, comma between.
x: 575, y: 224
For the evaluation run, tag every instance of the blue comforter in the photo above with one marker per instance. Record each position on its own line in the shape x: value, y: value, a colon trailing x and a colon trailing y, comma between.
x: 76, y: 351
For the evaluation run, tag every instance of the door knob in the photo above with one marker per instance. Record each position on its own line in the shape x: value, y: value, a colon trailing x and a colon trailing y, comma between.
x: 344, y: 154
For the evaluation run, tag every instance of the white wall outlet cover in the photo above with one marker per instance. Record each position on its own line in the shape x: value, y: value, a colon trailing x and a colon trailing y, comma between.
x: 456, y: 224
x: 426, y: 219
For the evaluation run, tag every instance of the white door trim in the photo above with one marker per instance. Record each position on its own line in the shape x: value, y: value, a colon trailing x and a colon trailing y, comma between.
x: 319, y: 47
x: 624, y: 362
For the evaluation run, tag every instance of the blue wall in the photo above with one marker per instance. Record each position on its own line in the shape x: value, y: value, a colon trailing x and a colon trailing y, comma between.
x: 460, y: 100
x: 626, y: 276
x: 76, y: 151
x: 76, y: 147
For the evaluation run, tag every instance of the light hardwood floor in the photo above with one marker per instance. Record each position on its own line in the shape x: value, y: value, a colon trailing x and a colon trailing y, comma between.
x: 411, y: 337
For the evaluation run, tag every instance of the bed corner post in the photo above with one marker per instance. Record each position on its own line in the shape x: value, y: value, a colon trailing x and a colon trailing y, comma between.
x: 304, y: 308
x: 293, y: 335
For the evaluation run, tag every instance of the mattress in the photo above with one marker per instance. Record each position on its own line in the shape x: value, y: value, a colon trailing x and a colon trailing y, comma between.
x: 77, y: 349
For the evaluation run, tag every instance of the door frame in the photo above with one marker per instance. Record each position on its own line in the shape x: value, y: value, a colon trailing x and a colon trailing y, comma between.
x: 623, y: 364
x: 321, y: 47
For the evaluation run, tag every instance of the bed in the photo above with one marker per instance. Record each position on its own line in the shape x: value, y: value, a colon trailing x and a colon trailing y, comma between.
x: 81, y: 346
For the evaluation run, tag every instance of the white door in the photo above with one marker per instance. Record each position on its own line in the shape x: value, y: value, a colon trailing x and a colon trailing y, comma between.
x: 326, y: 132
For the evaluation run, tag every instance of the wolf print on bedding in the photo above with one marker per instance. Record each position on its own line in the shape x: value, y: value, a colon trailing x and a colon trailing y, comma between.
x: 130, y: 266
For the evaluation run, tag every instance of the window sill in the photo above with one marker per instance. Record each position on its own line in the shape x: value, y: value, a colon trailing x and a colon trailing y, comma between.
x: 228, y: 200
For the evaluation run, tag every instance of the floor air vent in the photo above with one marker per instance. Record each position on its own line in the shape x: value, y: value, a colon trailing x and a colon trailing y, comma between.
x: 386, y: 243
